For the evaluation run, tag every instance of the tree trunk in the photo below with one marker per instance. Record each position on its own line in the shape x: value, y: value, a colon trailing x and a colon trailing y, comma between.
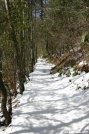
x: 42, y: 12
x: 3, y: 90
x: 32, y: 43
x: 16, y: 46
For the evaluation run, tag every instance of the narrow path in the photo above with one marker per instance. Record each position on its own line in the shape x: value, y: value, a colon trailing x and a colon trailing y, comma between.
x: 50, y: 105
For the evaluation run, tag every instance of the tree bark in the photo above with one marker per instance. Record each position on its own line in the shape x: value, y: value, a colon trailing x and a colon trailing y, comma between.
x: 42, y: 12
x: 32, y: 43
x: 19, y: 57
x: 3, y: 90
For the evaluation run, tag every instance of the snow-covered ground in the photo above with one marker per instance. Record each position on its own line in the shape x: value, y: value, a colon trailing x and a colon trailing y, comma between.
x: 51, y: 104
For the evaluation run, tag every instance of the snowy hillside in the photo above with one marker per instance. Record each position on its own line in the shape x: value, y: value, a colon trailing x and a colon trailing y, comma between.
x: 51, y: 104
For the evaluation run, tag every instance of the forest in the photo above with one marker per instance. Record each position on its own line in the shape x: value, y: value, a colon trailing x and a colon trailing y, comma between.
x: 29, y: 29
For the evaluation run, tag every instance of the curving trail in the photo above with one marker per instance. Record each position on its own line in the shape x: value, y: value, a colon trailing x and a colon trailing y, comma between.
x: 50, y: 105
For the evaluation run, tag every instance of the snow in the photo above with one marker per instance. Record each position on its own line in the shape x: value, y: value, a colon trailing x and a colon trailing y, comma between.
x: 82, y: 63
x: 51, y: 104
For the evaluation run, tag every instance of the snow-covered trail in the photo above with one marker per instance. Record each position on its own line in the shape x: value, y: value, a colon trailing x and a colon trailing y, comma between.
x: 50, y: 105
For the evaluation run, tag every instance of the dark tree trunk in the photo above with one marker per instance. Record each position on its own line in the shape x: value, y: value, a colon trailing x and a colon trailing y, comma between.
x: 21, y: 82
x: 42, y: 12
x: 3, y: 90
x: 32, y: 43
x: 36, y: 52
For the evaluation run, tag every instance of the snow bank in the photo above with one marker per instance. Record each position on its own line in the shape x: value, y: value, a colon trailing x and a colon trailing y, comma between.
x: 82, y: 63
